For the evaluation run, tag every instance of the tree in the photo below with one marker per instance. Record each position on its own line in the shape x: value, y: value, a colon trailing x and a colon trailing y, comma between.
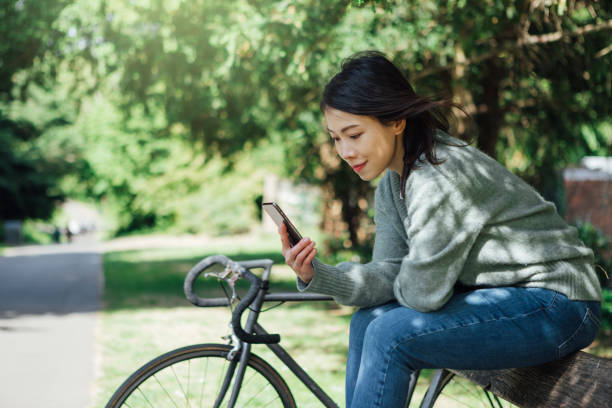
x: 28, y: 181
x: 534, y: 76
x: 229, y: 75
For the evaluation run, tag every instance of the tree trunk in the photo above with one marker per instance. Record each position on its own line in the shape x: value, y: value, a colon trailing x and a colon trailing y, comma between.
x: 490, y: 117
x: 461, y: 96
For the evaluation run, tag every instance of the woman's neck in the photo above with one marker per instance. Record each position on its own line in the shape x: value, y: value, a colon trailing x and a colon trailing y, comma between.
x: 397, y: 161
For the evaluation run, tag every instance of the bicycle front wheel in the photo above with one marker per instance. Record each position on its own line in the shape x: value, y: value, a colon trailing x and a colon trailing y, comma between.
x: 192, y: 377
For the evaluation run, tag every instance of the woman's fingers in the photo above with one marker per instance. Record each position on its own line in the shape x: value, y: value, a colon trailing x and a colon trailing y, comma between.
x: 304, y: 253
x: 292, y: 253
x: 306, y: 271
x: 300, y: 256
x: 296, y: 255
x: 310, y: 256
x: 282, y: 230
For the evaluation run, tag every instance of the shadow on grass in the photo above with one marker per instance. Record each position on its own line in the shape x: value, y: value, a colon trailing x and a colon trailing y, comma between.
x: 133, y: 283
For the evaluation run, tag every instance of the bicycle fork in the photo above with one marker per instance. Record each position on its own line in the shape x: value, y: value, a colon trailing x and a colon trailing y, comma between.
x: 241, y: 364
x: 245, y: 354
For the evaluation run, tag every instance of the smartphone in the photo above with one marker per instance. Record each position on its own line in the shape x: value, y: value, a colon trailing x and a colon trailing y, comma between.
x: 279, y: 217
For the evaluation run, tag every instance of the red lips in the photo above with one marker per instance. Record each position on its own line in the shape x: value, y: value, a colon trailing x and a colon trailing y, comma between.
x: 359, y: 167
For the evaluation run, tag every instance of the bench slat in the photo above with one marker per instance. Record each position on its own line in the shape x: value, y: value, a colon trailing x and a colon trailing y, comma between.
x: 579, y: 380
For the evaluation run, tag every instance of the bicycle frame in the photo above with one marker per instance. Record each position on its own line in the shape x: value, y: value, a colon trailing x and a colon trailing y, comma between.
x: 243, y: 338
x: 252, y: 326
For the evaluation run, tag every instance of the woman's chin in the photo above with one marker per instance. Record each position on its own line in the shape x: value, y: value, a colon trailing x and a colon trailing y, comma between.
x: 367, y: 176
x: 368, y: 173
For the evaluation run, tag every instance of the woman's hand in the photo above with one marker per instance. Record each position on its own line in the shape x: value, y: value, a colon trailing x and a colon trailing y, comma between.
x: 300, y: 256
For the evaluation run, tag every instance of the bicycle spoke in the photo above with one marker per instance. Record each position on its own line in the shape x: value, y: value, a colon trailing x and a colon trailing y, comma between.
x: 164, y: 389
x: 188, y: 380
x: 469, y: 404
x: 245, y: 382
x: 180, y: 386
x: 166, y: 382
x: 273, y: 399
x: 220, y: 381
x: 472, y: 391
x: 145, y: 397
x: 251, y: 376
x: 204, y: 382
x: 260, y: 391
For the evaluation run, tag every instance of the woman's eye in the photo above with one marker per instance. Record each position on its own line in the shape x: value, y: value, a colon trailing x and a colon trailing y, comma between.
x: 355, y: 136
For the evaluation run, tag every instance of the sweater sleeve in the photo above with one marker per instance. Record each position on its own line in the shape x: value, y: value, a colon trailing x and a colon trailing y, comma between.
x: 418, y: 271
x: 367, y: 284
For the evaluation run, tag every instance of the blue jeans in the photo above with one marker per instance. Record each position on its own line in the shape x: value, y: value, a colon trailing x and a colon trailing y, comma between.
x: 491, y: 328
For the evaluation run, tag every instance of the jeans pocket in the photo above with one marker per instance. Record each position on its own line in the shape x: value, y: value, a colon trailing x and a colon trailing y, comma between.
x: 583, y: 336
x: 545, y: 297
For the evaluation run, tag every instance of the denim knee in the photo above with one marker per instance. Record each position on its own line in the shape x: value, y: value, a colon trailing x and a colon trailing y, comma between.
x: 359, y: 322
x: 362, y: 318
x: 381, y: 337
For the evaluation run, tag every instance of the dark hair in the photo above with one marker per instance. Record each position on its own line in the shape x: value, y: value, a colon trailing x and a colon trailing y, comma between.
x: 371, y: 85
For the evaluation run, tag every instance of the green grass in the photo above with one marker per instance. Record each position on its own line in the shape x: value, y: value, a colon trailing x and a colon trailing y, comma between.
x: 146, y: 314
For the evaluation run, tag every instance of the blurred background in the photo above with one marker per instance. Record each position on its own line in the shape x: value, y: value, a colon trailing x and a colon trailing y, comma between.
x: 144, y: 115
x: 166, y: 120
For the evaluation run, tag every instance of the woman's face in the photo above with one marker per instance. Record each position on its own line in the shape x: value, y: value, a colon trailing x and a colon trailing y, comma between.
x: 367, y: 145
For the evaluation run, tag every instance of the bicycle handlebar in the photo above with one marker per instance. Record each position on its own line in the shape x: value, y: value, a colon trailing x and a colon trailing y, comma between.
x: 241, y: 307
x: 195, y: 272
x: 255, y: 282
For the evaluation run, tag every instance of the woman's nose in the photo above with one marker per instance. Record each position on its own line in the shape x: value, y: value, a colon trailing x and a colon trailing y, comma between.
x: 347, y: 152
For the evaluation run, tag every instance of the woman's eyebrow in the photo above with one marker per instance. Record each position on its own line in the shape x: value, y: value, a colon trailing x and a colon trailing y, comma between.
x: 344, y: 129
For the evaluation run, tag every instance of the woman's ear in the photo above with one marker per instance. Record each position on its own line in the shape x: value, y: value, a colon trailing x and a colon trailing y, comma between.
x: 399, y: 126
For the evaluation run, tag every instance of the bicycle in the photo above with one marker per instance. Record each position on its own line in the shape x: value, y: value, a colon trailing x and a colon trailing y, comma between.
x: 180, y: 378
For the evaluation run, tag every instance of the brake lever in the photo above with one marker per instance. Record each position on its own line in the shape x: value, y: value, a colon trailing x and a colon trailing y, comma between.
x: 230, y: 274
x: 219, y: 275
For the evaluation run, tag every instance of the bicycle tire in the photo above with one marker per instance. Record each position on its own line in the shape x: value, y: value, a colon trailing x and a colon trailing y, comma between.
x: 170, y: 379
x: 457, y: 391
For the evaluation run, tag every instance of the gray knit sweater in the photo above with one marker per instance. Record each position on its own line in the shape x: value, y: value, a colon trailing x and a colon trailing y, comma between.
x: 468, y: 220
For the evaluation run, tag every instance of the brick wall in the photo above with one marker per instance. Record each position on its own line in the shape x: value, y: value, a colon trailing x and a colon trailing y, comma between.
x: 590, y: 200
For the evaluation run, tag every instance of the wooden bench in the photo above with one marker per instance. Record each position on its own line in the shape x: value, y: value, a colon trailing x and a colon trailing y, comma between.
x: 579, y: 380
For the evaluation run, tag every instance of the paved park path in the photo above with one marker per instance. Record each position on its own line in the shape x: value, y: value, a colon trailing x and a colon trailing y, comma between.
x: 49, y: 298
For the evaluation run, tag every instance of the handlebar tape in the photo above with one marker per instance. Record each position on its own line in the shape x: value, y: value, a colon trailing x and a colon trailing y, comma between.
x: 195, y: 272
x: 240, y: 308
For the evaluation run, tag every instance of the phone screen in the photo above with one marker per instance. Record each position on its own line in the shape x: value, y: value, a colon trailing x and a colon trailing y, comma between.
x: 275, y: 212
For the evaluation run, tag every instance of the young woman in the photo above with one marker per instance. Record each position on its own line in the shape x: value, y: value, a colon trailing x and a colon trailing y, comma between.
x: 471, y: 269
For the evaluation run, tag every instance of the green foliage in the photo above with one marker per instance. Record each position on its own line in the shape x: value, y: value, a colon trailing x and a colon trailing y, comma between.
x: 29, y: 178
x: 606, y: 311
x: 155, y: 101
x: 35, y: 233
x: 27, y: 34
x: 153, y: 178
x: 198, y: 64
x: 602, y: 248
x: 540, y: 102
